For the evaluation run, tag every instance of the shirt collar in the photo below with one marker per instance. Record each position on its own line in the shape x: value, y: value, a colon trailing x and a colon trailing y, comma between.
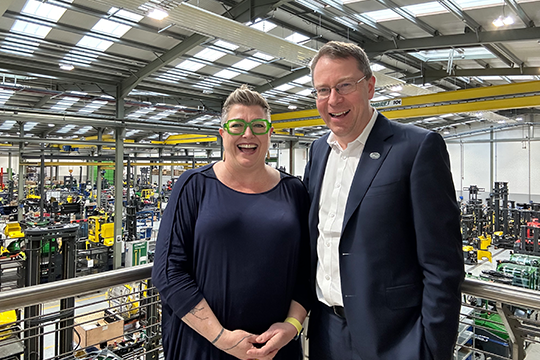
x: 361, y: 139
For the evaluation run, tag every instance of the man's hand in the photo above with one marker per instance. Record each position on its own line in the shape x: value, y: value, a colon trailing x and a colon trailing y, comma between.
x: 276, y: 337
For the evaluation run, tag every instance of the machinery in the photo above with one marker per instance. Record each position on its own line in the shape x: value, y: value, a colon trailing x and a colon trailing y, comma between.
x: 477, y: 250
x: 100, y: 231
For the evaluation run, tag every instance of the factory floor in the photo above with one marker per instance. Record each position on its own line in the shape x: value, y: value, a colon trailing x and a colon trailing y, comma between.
x: 533, y: 350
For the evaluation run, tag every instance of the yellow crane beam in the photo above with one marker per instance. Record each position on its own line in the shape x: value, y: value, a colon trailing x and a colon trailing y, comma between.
x: 476, y: 99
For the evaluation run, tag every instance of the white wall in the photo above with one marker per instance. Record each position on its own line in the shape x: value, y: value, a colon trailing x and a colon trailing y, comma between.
x: 515, y: 161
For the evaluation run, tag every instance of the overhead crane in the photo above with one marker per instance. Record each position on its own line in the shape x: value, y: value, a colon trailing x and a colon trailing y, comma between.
x: 510, y: 96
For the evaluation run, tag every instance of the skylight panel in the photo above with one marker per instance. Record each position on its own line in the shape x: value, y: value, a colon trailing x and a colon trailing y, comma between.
x: 226, y: 45
x: 303, y: 80
x: 83, y: 130
x: 93, y: 106
x: 284, y: 87
x: 297, y: 38
x: 124, y: 14
x: 490, y: 78
x: 65, y: 103
x: 132, y: 132
x: 24, y: 27
x: 429, y: 8
x: 346, y: 21
x: 190, y: 65
x: 5, y: 95
x: 91, y: 42
x: 44, y: 10
x: 377, y: 67
x: 78, y: 58
x: 30, y: 125
x: 141, y: 112
x: 476, y: 4
x: 109, y: 27
x: 209, y: 54
x: 17, y: 45
x: 521, y: 77
x: 382, y: 15
x: 305, y: 92
x: 227, y: 74
x: 8, y: 124
x: 380, y: 98
x: 66, y: 129
x: 263, y: 56
x: 263, y: 25
x: 246, y: 64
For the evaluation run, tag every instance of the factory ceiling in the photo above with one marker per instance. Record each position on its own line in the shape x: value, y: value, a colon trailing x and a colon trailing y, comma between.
x: 64, y: 63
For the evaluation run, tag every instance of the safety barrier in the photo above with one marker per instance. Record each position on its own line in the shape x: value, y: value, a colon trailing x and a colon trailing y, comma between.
x: 116, y: 315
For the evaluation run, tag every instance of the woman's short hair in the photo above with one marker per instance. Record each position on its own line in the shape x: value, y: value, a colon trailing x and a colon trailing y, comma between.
x: 244, y: 96
x: 343, y: 50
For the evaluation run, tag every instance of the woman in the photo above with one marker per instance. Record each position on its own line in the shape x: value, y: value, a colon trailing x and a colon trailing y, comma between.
x: 232, y: 255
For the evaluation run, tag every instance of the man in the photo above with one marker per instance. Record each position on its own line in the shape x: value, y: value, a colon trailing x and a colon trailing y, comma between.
x: 384, y: 224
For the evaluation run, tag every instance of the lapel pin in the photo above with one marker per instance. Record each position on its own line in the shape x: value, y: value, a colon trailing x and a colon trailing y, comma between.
x: 374, y: 155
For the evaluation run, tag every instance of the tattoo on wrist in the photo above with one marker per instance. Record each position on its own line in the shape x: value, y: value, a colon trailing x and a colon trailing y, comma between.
x: 235, y: 345
x: 217, y: 337
x: 194, y: 312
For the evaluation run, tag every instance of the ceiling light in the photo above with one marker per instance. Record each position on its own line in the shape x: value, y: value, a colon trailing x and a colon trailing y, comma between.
x: 519, y: 119
x: 157, y: 14
x: 67, y: 67
x: 508, y: 20
x: 498, y: 22
x: 396, y: 88
x: 293, y: 107
x: 51, y: 125
x: 446, y: 132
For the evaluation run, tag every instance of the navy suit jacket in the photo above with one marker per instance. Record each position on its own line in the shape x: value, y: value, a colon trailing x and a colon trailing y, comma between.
x: 400, y: 255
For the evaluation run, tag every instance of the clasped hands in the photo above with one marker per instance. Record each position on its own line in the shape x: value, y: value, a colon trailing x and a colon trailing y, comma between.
x: 243, y: 345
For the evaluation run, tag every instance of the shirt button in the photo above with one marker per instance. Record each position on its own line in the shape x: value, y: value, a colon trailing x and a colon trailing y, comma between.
x: 327, y: 277
x: 332, y: 215
x: 338, y: 186
x: 343, y: 157
x: 328, y: 244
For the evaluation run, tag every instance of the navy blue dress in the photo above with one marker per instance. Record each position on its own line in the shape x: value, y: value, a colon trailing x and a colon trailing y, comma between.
x: 246, y: 254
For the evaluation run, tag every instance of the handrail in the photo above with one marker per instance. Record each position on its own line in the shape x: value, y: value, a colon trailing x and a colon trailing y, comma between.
x: 31, y: 295
x: 27, y: 296
x: 507, y: 294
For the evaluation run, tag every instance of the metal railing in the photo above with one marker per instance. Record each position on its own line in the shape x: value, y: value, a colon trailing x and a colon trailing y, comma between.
x: 498, y: 321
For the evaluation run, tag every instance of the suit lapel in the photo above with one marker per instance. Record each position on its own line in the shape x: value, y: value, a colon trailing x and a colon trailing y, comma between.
x: 320, y: 154
x: 374, y: 154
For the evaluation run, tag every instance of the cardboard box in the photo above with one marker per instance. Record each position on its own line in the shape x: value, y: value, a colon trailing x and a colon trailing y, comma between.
x: 166, y: 172
x: 155, y: 171
x: 94, y: 329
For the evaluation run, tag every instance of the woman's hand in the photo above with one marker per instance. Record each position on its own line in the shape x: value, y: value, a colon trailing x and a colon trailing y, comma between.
x: 276, y: 337
x: 237, y: 343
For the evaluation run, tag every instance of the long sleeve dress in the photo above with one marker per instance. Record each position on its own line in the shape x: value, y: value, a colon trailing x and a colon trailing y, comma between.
x: 246, y: 254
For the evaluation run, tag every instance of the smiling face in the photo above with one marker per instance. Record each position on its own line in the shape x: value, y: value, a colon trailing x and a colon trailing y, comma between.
x: 346, y: 115
x: 247, y: 150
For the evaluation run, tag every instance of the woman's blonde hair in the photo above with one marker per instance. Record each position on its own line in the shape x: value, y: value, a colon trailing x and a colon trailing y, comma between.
x: 244, y: 96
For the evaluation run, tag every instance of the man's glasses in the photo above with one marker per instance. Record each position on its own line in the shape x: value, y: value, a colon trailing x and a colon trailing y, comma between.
x: 239, y: 126
x: 343, y: 88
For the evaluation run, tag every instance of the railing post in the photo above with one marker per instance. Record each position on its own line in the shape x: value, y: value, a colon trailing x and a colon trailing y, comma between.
x: 511, y: 325
x: 152, y: 333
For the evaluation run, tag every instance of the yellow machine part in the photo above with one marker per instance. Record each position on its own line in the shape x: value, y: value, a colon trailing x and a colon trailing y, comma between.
x: 147, y: 193
x: 468, y: 248
x: 7, y: 319
x: 484, y: 242
x: 13, y: 230
x: 107, y: 233
x: 481, y: 254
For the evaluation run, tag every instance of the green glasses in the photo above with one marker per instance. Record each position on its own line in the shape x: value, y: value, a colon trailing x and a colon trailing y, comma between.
x: 239, y: 126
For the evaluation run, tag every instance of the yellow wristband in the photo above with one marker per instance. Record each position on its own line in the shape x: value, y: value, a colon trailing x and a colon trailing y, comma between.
x: 295, y: 323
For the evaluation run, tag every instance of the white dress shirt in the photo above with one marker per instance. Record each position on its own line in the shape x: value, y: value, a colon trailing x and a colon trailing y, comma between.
x: 338, y: 176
